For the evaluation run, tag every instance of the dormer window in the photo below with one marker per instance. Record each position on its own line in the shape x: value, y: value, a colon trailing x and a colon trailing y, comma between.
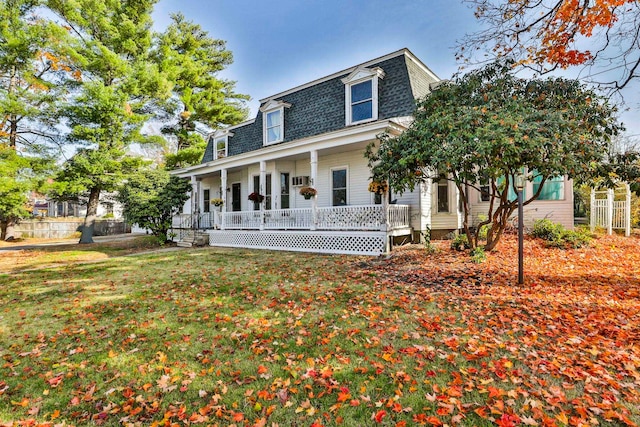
x: 273, y: 121
x: 361, y: 95
x: 220, y: 147
x: 221, y: 144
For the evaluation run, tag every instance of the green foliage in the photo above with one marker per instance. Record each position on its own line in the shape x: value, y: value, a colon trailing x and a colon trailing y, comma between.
x: 108, y: 108
x: 190, y: 154
x: 14, y: 185
x: 488, y: 126
x: 191, y: 60
x: 151, y: 198
x: 460, y: 242
x: 426, y: 238
x: 32, y: 59
x: 483, y: 229
x: 478, y: 255
x: 557, y: 236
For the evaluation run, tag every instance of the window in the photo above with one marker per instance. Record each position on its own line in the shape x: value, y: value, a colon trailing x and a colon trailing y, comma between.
x: 339, y: 187
x: 512, y: 195
x: 274, y: 127
x: 485, y: 190
x: 361, y: 101
x: 443, y: 194
x: 553, y: 188
x: 377, y: 198
x: 206, y: 200
x: 361, y: 95
x: 284, y: 191
x: 273, y: 121
x: 220, y: 147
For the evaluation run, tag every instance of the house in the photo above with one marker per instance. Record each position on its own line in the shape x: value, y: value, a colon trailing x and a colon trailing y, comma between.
x: 314, y: 135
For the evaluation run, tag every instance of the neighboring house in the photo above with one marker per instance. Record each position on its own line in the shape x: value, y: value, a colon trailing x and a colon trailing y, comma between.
x: 107, y: 208
x: 315, y: 135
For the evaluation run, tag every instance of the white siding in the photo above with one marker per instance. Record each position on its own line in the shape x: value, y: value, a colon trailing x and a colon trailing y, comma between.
x: 451, y: 220
x: 423, y: 210
x: 560, y: 211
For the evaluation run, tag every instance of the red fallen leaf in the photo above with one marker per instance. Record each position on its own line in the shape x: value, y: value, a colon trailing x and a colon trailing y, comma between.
x: 262, y: 370
x: 508, y: 420
x: 316, y: 424
x: 434, y: 421
x: 378, y: 416
x: 481, y: 412
x: 401, y: 424
x: 344, y: 394
x: 326, y: 372
x: 260, y: 423
x: 55, y: 381
x: 237, y: 416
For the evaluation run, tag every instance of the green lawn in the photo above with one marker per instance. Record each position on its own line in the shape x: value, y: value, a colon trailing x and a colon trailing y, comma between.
x: 236, y: 337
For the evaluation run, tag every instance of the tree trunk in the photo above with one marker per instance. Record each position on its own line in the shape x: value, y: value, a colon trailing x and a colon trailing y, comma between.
x: 90, y: 218
x: 7, y: 229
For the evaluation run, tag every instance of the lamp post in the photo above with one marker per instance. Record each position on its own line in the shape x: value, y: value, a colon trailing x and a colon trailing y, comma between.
x: 520, y: 183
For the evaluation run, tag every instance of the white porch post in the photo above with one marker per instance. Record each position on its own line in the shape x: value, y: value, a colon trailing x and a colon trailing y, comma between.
x: 610, y: 211
x: 593, y: 213
x: 385, y: 211
x: 627, y: 211
x: 194, y: 201
x: 314, y: 178
x: 263, y: 181
x: 223, y: 196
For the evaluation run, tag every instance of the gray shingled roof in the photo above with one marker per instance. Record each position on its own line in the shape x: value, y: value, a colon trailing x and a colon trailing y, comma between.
x: 319, y: 108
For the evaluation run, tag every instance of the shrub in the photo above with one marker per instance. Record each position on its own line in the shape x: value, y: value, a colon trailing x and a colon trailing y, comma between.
x: 545, y: 229
x: 482, y: 234
x: 460, y: 243
x: 557, y: 236
x: 478, y: 255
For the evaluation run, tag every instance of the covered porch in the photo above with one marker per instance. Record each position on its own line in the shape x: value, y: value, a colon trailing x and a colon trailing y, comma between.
x: 357, y: 230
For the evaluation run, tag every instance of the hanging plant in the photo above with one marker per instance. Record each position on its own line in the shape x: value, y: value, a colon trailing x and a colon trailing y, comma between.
x: 256, y: 197
x: 308, y: 192
x: 378, y: 187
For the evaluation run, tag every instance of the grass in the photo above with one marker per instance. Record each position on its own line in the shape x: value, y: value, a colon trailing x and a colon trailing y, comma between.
x: 237, y: 337
x: 64, y: 251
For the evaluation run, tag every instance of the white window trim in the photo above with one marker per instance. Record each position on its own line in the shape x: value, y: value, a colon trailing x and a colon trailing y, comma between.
x: 437, y: 198
x: 219, y: 135
x: 564, y: 190
x: 345, y: 168
x: 361, y: 75
x: 216, y: 152
x: 271, y: 107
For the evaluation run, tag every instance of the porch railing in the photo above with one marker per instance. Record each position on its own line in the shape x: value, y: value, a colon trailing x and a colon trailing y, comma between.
x: 288, y: 219
x: 398, y: 216
x: 367, y: 217
x: 370, y: 217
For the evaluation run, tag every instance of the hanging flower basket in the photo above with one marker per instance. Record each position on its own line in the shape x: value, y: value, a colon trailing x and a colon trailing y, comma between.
x: 256, y: 197
x: 308, y: 192
x: 378, y: 187
x: 217, y: 202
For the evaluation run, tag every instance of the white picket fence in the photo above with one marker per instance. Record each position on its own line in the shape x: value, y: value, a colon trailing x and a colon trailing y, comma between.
x: 610, y: 213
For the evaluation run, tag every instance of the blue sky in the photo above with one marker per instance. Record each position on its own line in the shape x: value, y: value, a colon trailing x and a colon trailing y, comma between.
x: 280, y: 44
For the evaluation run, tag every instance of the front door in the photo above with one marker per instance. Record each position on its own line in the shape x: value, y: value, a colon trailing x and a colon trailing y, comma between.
x: 236, y: 205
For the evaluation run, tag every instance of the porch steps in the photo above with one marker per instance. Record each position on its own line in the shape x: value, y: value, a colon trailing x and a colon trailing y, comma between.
x: 192, y: 238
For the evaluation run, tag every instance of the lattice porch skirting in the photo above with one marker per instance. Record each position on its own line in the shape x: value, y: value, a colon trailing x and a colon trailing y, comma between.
x: 331, y: 242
